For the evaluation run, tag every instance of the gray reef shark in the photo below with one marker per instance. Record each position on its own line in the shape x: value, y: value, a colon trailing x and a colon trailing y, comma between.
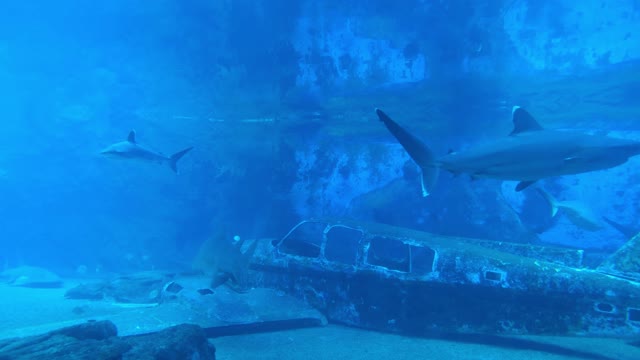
x: 528, y: 154
x: 130, y: 149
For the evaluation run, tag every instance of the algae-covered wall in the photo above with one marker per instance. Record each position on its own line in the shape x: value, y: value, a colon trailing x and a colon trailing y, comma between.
x: 277, y: 98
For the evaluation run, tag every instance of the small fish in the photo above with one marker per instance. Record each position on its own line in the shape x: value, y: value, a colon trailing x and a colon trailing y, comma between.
x: 577, y: 212
x: 130, y: 149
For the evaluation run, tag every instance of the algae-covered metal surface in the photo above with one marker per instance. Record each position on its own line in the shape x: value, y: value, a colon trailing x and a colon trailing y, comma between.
x: 396, y: 279
x: 625, y: 262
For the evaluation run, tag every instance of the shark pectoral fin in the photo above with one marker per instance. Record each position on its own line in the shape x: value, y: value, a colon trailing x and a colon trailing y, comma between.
x: 524, y: 184
x: 132, y: 137
x: 523, y: 121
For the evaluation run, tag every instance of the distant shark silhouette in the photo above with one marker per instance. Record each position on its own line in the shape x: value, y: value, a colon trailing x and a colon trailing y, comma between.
x: 130, y: 149
x: 528, y: 154
x: 579, y: 213
x: 225, y: 261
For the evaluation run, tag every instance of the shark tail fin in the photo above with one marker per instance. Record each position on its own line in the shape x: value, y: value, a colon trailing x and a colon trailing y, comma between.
x: 553, y: 203
x: 173, y: 159
x: 428, y: 179
x: 417, y: 150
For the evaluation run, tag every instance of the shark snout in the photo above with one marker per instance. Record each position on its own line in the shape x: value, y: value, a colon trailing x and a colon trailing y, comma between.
x: 108, y: 151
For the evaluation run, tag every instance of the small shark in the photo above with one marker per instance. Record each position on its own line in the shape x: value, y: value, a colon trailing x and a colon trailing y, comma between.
x: 130, y: 149
x: 528, y: 154
x: 577, y: 212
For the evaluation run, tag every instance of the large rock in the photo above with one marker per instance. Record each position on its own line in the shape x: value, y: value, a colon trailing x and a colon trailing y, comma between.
x: 178, y: 342
x: 99, y: 340
x: 143, y: 288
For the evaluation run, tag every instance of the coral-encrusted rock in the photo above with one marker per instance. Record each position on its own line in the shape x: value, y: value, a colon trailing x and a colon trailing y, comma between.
x: 94, y: 291
x: 178, y: 342
x: 92, y: 330
x: 143, y: 287
x: 99, y: 340
x: 95, y: 339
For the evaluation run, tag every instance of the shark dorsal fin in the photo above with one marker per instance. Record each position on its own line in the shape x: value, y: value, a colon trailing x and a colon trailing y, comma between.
x: 132, y: 136
x: 523, y: 121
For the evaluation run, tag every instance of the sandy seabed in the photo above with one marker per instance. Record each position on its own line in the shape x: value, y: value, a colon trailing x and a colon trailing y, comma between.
x: 25, y: 312
x: 337, y: 342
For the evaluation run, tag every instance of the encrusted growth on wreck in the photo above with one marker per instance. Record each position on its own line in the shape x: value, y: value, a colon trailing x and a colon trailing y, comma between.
x: 395, y: 279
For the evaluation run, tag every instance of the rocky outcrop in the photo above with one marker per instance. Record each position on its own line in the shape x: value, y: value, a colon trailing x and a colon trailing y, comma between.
x: 99, y: 340
x: 142, y: 288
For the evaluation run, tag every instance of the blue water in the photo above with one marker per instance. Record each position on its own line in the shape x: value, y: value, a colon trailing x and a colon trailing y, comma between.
x: 277, y: 99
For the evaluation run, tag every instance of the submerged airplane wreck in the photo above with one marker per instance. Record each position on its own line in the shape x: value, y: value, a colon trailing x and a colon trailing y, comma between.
x: 394, y: 279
